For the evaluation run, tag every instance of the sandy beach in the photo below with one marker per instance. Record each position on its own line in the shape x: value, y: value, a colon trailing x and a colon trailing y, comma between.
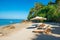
x: 29, y: 19
x: 8, y: 29
x: 22, y: 32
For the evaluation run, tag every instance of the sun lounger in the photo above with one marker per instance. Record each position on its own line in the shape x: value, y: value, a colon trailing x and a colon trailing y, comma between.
x: 41, y: 25
x: 38, y: 31
x: 47, y: 31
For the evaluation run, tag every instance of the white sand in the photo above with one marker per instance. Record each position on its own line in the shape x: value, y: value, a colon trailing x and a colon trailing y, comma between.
x: 23, y: 34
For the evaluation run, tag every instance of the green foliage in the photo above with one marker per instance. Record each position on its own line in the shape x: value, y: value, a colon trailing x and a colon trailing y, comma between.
x: 50, y: 11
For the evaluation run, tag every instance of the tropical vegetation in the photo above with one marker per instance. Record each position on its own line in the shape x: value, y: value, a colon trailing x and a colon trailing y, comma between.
x: 50, y: 11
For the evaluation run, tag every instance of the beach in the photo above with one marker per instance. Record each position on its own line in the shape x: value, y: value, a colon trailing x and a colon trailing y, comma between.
x: 20, y: 33
x: 7, y: 30
x: 23, y: 31
x: 29, y: 19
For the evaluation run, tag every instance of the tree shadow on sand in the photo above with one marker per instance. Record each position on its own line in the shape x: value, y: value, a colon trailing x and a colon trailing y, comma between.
x: 31, y: 27
x: 56, y: 30
x: 53, y: 23
x: 54, y: 36
x: 45, y: 37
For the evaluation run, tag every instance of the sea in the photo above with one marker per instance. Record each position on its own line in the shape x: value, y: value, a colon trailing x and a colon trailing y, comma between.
x: 9, y: 21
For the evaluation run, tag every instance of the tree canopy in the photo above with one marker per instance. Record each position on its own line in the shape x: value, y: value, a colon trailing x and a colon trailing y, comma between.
x: 50, y: 11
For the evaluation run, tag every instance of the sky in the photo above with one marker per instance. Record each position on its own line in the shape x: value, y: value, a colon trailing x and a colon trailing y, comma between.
x: 17, y: 9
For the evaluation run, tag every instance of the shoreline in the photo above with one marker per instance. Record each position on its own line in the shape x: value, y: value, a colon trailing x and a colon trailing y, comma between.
x: 21, y: 31
x: 5, y: 30
x: 7, y: 25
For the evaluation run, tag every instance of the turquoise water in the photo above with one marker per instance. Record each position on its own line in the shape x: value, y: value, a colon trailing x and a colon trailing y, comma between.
x: 9, y: 21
